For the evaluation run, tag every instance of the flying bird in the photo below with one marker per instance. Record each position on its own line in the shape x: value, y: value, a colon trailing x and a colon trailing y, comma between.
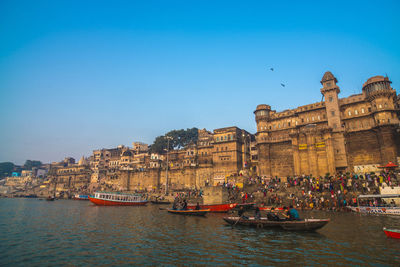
x: 272, y: 69
x: 283, y: 85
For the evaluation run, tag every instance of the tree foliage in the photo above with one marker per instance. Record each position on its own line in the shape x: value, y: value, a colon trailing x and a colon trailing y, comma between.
x: 29, y: 164
x: 179, y: 139
x: 6, y: 169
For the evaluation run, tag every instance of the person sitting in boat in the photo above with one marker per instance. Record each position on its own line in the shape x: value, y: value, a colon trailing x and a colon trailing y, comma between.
x: 293, y: 214
x: 175, y: 204
x: 272, y: 216
x: 241, y: 213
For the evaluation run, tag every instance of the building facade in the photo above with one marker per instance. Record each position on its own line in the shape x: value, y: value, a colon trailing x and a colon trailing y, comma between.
x: 335, y: 135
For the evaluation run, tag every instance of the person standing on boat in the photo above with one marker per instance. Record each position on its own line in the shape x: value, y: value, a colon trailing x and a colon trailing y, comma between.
x: 197, y: 206
x: 257, y: 213
x: 184, y: 207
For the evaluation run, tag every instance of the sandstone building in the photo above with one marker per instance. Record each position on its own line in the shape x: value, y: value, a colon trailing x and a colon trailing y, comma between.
x: 337, y: 134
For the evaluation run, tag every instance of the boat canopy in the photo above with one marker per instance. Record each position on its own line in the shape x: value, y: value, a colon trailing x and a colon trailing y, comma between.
x: 380, y: 196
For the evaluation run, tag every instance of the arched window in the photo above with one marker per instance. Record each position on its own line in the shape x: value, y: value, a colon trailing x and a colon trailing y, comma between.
x: 349, y: 113
x: 362, y: 110
x: 356, y: 112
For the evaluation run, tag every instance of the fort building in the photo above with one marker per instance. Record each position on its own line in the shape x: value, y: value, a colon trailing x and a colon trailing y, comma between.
x: 335, y: 135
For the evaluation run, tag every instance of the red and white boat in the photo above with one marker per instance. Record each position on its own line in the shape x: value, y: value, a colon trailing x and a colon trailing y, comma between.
x: 117, y: 199
x: 215, y: 207
x: 393, y: 233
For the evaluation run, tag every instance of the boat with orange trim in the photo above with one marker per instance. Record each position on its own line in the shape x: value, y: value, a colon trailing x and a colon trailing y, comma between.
x: 117, y: 199
x: 189, y: 212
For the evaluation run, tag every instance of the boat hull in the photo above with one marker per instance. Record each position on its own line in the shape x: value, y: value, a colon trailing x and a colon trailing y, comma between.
x: 377, y: 210
x: 190, y: 212
x: 102, y: 202
x: 392, y: 233
x: 215, y: 207
x: 303, y: 225
x: 81, y: 197
x: 160, y: 202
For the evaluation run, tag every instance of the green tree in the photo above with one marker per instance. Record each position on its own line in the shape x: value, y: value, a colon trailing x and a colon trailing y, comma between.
x: 29, y: 164
x: 180, y: 139
x: 6, y: 169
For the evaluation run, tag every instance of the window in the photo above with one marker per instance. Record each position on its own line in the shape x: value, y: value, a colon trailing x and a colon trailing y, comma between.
x: 333, y: 113
x: 279, y: 125
x: 369, y: 109
x: 380, y: 106
x: 302, y: 120
x: 349, y: 113
x: 330, y: 99
x: 362, y: 110
x: 289, y: 124
x: 217, y: 139
x: 312, y: 118
x: 319, y: 117
x: 356, y: 112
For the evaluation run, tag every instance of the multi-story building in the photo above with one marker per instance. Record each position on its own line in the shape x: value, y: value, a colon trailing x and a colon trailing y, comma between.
x: 337, y: 134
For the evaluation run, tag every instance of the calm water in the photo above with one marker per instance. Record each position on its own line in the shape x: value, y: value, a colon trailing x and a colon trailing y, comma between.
x: 68, y: 232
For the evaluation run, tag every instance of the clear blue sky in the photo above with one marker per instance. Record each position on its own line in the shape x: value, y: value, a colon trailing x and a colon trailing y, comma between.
x: 81, y: 75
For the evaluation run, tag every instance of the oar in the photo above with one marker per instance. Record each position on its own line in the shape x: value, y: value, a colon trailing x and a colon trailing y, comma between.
x: 236, y: 222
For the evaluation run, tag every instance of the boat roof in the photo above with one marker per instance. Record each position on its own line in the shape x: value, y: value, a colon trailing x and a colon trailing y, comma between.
x: 380, y: 196
x: 118, y: 193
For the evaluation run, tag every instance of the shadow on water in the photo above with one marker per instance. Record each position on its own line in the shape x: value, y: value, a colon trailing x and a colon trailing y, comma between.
x: 67, y: 232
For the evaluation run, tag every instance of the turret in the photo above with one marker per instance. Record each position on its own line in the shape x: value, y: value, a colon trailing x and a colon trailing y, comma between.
x: 382, y: 97
x: 330, y: 90
x: 262, y: 112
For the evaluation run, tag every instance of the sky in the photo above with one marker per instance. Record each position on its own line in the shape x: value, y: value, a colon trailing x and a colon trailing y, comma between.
x: 76, y: 76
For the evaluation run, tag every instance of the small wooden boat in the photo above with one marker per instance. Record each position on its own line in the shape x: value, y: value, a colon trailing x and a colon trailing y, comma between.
x: 302, y: 225
x: 80, y: 197
x: 117, y: 199
x: 189, y: 212
x: 160, y: 202
x: 393, y: 233
x: 50, y: 198
x: 215, y: 207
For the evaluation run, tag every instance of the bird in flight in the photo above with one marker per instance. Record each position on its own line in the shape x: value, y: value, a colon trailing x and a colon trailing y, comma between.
x: 272, y: 69
x: 283, y: 85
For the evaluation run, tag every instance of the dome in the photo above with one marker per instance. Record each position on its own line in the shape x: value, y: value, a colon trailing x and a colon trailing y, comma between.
x: 328, y: 76
x: 127, y: 154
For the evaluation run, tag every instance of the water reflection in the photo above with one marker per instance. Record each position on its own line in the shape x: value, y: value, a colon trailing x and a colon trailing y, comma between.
x: 79, y: 233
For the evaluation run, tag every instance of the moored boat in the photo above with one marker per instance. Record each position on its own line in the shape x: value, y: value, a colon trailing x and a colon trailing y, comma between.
x: 393, y: 233
x: 302, y: 225
x: 215, y: 207
x: 189, y: 212
x: 160, y: 202
x: 117, y: 199
x: 80, y: 197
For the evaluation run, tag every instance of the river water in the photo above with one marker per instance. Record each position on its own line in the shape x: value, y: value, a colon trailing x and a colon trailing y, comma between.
x: 77, y: 233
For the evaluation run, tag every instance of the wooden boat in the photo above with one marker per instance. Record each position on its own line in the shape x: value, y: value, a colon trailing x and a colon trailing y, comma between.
x: 160, y: 202
x: 117, y: 199
x: 80, y: 197
x: 303, y: 225
x: 50, y: 198
x: 215, y: 207
x: 189, y: 212
x: 393, y: 233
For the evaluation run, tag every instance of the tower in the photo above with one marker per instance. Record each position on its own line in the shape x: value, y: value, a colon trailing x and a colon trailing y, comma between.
x: 382, y: 97
x: 337, y: 148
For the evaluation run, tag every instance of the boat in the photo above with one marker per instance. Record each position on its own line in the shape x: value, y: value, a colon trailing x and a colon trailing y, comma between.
x: 160, y: 202
x: 393, y: 233
x: 301, y: 225
x: 50, y: 198
x: 117, y: 199
x: 190, y: 212
x: 215, y: 207
x: 80, y: 197
x: 380, y: 209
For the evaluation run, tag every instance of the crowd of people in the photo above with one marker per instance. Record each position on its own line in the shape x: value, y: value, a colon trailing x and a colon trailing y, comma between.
x: 330, y: 192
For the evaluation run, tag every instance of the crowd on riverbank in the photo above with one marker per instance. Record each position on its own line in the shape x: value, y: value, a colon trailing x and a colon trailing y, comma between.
x: 331, y: 192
